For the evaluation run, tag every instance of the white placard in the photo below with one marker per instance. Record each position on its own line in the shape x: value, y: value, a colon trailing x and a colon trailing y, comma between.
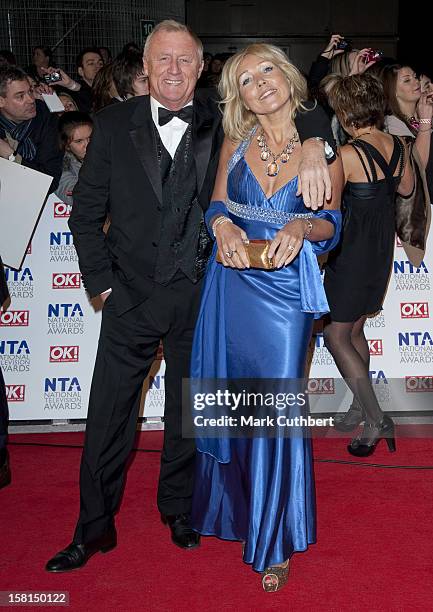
x: 22, y: 195
x: 53, y: 102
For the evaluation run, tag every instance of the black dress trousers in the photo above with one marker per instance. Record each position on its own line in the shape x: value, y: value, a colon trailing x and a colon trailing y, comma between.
x: 127, y: 347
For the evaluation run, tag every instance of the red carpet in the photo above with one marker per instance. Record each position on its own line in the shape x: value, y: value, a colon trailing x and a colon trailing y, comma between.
x: 374, y: 550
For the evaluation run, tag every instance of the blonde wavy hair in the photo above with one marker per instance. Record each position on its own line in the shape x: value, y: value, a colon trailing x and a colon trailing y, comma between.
x: 237, y: 120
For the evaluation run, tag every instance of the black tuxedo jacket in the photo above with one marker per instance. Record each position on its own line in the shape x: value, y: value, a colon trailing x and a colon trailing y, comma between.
x: 120, y: 177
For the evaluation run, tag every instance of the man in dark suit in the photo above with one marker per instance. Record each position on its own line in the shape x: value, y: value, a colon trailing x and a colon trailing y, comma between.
x: 151, y: 165
x: 5, y: 470
x: 28, y: 131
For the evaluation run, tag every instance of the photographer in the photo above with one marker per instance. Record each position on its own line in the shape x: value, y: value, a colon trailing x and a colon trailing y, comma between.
x: 320, y: 67
x: 89, y: 62
x: 42, y: 57
x: 338, y: 57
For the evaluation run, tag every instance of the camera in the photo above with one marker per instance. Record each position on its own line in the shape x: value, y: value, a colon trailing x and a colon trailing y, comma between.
x: 373, y: 55
x: 54, y: 77
x: 344, y: 45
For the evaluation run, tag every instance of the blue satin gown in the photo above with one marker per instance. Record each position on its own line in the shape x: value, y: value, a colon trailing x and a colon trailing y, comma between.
x: 257, y: 324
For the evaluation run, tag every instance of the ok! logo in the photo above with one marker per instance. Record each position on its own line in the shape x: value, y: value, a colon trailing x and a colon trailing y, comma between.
x: 62, y: 210
x: 414, y: 310
x: 375, y: 347
x: 66, y: 280
x: 15, y: 393
x: 14, y: 318
x: 64, y: 354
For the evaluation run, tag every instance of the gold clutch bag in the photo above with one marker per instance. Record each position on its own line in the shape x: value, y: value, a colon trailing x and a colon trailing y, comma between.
x: 257, y: 251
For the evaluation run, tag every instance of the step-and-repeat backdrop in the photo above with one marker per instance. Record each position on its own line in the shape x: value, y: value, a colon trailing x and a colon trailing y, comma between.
x: 48, y: 337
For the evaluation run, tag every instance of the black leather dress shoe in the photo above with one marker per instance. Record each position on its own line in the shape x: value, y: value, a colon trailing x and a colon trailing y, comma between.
x: 181, y: 532
x: 77, y: 555
x: 5, y: 472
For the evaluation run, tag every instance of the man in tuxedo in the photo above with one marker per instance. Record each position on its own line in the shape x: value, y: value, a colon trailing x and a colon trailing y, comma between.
x: 151, y: 165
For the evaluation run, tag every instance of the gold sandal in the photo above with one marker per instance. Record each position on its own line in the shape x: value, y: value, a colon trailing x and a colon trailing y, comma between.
x: 274, y: 578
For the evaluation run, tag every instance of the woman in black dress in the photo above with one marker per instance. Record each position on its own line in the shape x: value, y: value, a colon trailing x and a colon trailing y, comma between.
x: 357, y: 271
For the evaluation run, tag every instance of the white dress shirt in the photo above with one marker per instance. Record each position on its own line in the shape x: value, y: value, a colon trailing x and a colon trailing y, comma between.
x: 172, y: 132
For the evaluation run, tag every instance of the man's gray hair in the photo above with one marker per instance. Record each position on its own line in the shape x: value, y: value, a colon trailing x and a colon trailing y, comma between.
x: 8, y: 74
x: 170, y: 25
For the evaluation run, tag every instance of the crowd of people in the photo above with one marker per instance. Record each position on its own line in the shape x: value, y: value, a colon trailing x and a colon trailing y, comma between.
x: 216, y: 221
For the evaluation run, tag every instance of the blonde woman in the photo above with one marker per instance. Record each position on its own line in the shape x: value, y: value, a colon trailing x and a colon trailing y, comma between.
x: 256, y: 323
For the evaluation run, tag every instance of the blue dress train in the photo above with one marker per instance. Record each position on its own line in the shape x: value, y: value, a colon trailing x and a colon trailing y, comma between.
x: 257, y: 324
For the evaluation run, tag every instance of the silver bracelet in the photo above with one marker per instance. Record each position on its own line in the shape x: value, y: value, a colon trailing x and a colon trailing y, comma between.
x: 309, y: 228
x: 219, y: 221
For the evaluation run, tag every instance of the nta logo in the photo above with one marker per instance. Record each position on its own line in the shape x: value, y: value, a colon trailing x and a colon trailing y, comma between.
x: 415, y: 338
x: 61, y: 238
x: 65, y: 310
x: 22, y: 276
x: 405, y: 267
x: 62, y: 384
x: 14, y: 347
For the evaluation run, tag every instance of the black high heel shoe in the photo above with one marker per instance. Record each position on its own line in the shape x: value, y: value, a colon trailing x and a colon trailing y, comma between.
x: 365, y: 445
x: 350, y: 419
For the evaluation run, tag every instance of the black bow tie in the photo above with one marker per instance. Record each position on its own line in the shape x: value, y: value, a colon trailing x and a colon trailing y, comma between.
x: 165, y: 115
